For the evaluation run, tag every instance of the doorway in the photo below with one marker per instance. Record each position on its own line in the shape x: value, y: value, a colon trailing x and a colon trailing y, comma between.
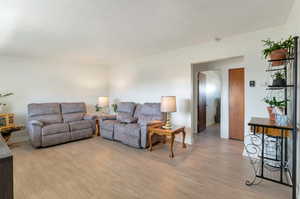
x: 222, y: 67
x: 208, y: 101
x: 201, y: 83
x: 236, y: 103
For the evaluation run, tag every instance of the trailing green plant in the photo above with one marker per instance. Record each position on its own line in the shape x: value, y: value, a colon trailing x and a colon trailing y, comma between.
x: 4, y: 95
x: 273, y: 102
x: 270, y: 45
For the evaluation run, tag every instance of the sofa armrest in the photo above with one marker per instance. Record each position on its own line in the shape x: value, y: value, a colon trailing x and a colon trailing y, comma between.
x: 145, y: 128
x: 36, y: 123
x: 90, y: 117
x: 151, y: 123
x: 156, y: 123
x: 35, y: 132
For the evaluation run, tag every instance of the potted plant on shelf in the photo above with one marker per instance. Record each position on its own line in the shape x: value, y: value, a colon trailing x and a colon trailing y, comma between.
x: 114, y: 107
x: 279, y: 79
x: 2, y: 104
x: 275, y: 104
x: 277, y: 50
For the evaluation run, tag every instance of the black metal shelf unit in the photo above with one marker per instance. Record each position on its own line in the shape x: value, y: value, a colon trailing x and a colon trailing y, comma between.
x: 294, y: 117
x: 290, y: 66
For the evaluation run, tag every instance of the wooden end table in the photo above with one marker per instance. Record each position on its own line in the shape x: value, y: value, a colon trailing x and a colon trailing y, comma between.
x: 6, y: 132
x: 158, y: 130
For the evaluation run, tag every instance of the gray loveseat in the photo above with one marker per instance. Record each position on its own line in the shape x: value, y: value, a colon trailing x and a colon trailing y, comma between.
x: 55, y: 123
x: 130, y: 126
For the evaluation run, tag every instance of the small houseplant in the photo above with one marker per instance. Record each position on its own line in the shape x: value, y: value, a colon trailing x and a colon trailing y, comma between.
x: 279, y: 79
x: 114, y: 107
x: 97, y: 107
x: 2, y: 104
x: 274, y: 103
x: 277, y: 50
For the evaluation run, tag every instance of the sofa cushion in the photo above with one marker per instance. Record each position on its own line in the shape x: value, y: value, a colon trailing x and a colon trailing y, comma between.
x: 125, y: 112
x: 72, y: 117
x: 137, y: 111
x: 107, y: 134
x: 128, y: 134
x: 36, y: 109
x: 54, y: 139
x: 73, y: 107
x: 129, y: 129
x: 82, y: 133
x: 150, y: 112
x: 73, y: 111
x: 108, y: 124
x: 79, y: 125
x: 125, y: 118
x: 126, y: 107
x: 55, y: 129
x: 151, y: 109
x: 48, y: 113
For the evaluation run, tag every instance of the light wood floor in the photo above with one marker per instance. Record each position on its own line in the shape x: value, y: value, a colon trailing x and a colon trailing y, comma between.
x: 96, y: 168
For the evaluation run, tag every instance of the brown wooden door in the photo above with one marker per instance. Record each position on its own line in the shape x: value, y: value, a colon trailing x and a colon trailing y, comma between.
x: 236, y: 103
x: 201, y: 102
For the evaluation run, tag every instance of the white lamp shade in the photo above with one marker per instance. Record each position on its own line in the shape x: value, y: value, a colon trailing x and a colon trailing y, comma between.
x: 103, y: 101
x: 168, y: 104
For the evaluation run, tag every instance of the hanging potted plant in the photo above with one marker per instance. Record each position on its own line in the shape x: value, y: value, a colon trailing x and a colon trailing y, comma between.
x: 275, y: 104
x: 277, y: 50
x: 279, y: 79
x: 2, y: 104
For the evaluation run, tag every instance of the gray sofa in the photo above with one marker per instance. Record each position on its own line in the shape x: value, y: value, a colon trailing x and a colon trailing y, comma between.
x: 55, y: 123
x: 130, y: 126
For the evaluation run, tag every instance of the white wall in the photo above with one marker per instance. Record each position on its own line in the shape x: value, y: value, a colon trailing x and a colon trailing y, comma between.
x: 213, y: 92
x: 169, y: 73
x: 49, y: 81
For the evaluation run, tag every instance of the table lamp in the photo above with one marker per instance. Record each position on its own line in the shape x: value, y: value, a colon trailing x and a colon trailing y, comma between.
x: 168, y: 105
x: 103, y: 103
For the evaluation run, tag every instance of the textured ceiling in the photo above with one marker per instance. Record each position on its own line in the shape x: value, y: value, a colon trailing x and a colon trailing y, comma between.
x: 112, y: 31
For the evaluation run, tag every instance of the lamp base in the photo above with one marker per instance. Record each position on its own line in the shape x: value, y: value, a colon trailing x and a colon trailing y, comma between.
x: 168, y: 124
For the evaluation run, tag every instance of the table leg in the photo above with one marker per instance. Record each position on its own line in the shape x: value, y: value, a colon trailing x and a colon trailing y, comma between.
x: 6, y: 138
x: 97, y: 128
x: 183, y: 139
x: 263, y: 153
x: 150, y: 141
x: 171, y: 155
x: 164, y: 139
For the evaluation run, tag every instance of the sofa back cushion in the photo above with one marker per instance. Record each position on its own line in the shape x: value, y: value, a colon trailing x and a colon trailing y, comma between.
x: 125, y: 112
x: 48, y: 113
x: 150, y: 112
x: 137, y: 111
x: 72, y: 112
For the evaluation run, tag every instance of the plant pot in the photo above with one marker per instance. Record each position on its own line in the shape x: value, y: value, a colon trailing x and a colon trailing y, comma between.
x: 278, y: 54
x: 279, y: 82
x: 279, y: 110
x: 272, y: 115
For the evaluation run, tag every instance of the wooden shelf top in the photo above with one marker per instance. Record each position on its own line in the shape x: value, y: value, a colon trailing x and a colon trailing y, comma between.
x: 265, y: 122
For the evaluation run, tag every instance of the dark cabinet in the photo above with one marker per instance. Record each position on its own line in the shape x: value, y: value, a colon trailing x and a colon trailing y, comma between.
x: 6, y: 171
